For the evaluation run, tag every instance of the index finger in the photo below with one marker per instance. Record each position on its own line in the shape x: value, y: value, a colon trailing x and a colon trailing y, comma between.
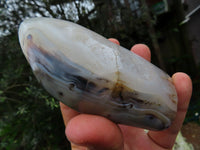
x: 183, y: 87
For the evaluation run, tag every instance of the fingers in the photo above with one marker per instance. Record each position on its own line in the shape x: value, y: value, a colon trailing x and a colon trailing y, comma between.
x: 90, y: 131
x: 114, y: 41
x: 67, y: 113
x: 183, y: 87
x: 94, y: 132
x: 142, y: 50
x: 139, y: 49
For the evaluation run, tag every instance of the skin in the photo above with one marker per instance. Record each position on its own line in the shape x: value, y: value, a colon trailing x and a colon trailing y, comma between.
x: 91, y: 132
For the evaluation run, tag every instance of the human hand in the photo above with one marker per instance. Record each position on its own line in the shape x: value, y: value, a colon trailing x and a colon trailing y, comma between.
x: 86, y: 131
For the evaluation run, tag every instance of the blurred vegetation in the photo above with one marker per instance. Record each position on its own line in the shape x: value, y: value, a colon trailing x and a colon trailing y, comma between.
x: 29, y: 117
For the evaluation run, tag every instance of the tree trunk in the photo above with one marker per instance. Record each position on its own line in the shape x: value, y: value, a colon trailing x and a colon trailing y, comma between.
x: 152, y: 34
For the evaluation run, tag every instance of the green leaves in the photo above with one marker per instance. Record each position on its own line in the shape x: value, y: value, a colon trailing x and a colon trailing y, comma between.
x: 52, y: 103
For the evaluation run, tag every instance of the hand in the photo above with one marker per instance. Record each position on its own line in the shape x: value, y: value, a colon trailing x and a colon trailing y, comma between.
x: 98, y: 133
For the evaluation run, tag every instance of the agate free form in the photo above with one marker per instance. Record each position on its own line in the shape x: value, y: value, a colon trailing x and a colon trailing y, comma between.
x: 92, y: 75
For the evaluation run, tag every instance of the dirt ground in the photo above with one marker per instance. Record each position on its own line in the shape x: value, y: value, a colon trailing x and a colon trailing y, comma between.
x: 191, y: 131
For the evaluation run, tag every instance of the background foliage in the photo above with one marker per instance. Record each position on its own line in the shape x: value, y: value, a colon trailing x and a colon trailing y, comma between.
x: 29, y: 117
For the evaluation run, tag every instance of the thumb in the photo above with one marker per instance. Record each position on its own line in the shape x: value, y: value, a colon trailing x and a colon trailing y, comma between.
x: 94, y: 132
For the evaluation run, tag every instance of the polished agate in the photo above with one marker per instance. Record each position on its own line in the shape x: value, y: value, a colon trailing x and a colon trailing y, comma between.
x: 92, y: 75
